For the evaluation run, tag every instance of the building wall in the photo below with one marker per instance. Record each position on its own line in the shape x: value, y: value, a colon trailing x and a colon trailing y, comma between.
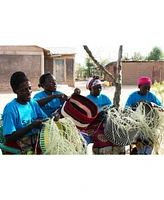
x: 62, y: 67
x: 29, y: 59
x: 48, y: 65
x: 133, y: 70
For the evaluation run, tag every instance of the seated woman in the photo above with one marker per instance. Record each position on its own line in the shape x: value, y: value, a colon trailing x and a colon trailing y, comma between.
x: 96, y: 130
x: 22, y: 117
x: 49, y: 99
x: 143, y: 94
x: 95, y: 86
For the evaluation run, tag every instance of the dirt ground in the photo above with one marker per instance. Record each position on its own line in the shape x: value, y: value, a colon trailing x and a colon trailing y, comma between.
x: 109, y: 91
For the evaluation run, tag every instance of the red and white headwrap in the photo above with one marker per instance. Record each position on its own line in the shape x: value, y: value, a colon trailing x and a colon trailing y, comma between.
x: 144, y: 80
x: 95, y: 80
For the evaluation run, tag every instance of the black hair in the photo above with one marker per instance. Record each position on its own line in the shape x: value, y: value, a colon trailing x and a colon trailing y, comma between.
x: 17, y: 78
x: 43, y: 78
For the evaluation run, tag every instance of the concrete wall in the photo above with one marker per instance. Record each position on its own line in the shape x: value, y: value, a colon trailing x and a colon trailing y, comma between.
x: 29, y: 59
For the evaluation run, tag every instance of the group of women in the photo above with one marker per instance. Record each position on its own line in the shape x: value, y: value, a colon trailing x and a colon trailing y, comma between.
x: 24, y: 116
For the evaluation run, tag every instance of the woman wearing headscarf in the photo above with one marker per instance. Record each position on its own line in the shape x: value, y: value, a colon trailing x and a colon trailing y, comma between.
x: 143, y: 95
x: 96, y: 128
x: 94, y: 84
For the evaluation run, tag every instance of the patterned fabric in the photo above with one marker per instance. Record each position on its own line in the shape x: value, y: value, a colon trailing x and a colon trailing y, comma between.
x: 112, y: 150
x: 93, y: 82
x: 100, y: 143
x: 27, y: 145
x: 144, y: 147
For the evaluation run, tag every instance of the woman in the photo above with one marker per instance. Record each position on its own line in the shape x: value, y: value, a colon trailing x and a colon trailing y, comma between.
x: 49, y: 99
x: 22, y: 117
x: 96, y: 129
x: 142, y: 95
x: 95, y: 86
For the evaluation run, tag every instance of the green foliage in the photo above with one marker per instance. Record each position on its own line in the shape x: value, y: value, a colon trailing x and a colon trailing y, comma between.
x: 126, y: 57
x: 91, y: 67
x: 155, y: 54
x: 137, y: 56
x: 159, y: 89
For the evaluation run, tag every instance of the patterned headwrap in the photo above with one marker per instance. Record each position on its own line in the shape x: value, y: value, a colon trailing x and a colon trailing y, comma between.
x: 95, y: 80
x: 144, y: 80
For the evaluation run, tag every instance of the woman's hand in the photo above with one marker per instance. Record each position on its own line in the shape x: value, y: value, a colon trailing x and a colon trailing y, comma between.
x: 77, y: 91
x: 39, y: 123
x: 63, y: 97
x: 55, y: 116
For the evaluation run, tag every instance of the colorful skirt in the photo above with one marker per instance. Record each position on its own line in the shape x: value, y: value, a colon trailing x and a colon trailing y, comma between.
x: 101, y: 145
x: 27, y: 145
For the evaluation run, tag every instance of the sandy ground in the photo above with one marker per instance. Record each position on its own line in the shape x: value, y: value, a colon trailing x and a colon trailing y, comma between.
x: 109, y: 91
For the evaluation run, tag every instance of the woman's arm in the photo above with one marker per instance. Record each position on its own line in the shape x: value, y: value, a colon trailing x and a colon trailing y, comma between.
x: 45, y: 100
x: 20, y: 133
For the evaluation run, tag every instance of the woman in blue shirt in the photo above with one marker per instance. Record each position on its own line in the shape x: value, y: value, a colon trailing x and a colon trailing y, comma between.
x: 96, y: 129
x: 49, y: 99
x: 22, y: 117
x: 142, y: 95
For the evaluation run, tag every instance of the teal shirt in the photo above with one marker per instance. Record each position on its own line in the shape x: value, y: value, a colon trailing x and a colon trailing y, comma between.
x: 135, y: 97
x: 101, y: 100
x: 51, y: 106
x: 17, y: 116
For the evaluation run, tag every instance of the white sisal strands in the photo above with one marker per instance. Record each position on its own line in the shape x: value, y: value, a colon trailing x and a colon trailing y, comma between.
x: 122, y: 126
x: 62, y: 138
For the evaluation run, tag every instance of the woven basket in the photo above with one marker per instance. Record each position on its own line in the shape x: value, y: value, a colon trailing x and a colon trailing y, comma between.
x: 52, y: 145
x: 121, y: 137
x: 81, y: 110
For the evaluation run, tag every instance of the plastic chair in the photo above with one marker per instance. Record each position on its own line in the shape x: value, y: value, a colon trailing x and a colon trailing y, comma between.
x: 3, y: 147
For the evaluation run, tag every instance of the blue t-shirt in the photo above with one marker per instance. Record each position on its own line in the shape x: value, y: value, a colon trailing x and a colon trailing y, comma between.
x: 101, y: 100
x: 135, y: 97
x: 17, y: 116
x: 51, y: 106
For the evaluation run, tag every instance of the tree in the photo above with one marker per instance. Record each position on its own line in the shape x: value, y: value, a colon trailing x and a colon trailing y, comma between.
x: 137, y: 56
x: 155, y: 54
x: 91, y: 67
x: 118, y: 80
x: 126, y: 57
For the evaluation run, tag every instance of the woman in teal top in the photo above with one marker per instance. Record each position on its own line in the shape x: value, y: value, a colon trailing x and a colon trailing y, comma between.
x: 22, y: 118
x: 143, y: 146
x: 54, y: 99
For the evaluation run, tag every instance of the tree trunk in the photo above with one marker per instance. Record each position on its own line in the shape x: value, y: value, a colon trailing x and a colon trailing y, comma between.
x: 118, y: 85
x: 117, y: 81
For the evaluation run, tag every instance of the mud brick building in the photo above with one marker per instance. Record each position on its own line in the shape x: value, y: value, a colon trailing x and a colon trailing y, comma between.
x: 133, y: 70
x: 34, y: 61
